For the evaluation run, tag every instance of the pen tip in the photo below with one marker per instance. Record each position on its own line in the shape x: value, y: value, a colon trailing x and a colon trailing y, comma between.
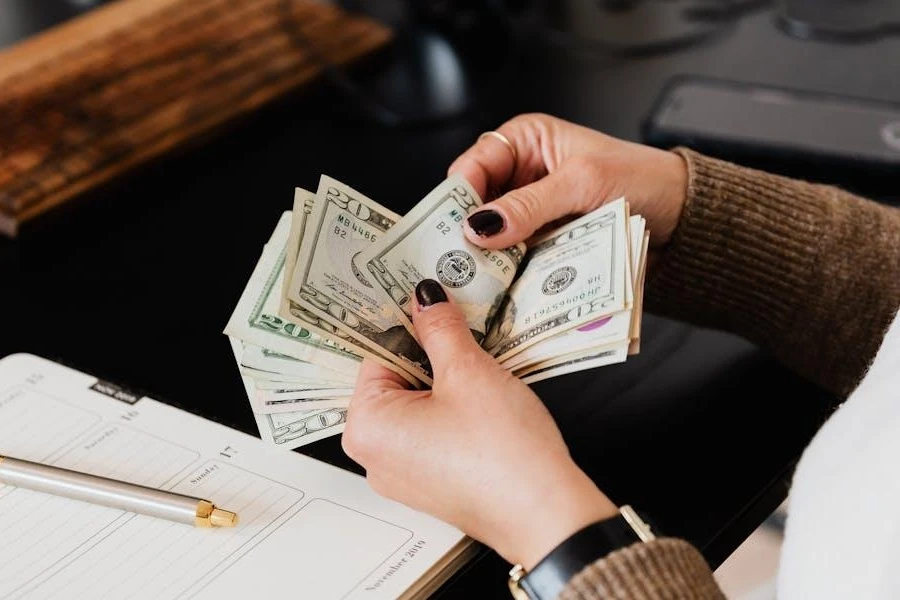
x: 223, y: 518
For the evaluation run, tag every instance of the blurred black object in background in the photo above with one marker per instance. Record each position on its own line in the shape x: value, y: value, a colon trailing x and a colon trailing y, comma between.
x: 840, y: 20
x: 451, y: 55
x: 21, y: 18
x: 640, y: 27
x: 436, y: 69
x: 827, y: 138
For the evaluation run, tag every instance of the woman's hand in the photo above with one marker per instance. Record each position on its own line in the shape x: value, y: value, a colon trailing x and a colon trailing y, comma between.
x: 560, y: 169
x: 479, y: 451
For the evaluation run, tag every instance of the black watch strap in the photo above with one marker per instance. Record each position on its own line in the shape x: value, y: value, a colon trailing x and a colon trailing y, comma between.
x: 548, y: 578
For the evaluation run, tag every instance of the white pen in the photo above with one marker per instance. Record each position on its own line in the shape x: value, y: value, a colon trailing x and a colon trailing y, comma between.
x: 115, y: 494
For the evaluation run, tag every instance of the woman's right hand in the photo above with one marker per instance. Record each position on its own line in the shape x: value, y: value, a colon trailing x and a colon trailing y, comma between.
x: 560, y: 169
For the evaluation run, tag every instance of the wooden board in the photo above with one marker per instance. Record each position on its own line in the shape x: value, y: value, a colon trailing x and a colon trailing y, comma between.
x: 91, y: 99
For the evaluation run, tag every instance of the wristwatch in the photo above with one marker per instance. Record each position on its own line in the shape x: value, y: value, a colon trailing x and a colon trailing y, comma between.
x: 548, y: 578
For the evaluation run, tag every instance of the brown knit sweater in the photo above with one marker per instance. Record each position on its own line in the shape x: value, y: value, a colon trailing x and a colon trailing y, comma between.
x: 808, y: 272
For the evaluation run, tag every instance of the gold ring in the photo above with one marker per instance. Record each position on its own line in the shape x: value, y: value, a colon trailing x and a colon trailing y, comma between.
x: 499, y: 136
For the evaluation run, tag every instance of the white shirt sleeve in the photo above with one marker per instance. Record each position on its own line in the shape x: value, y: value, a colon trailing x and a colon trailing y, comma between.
x: 843, y: 529
x: 886, y: 365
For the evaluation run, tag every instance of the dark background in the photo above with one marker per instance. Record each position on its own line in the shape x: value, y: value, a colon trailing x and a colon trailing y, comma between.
x: 135, y: 283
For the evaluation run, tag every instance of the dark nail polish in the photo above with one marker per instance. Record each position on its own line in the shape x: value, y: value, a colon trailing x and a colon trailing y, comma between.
x: 429, y: 292
x: 486, y: 223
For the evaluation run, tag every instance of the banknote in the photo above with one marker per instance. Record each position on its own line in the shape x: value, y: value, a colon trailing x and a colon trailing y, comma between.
x: 303, y: 203
x: 574, y: 275
x: 295, y: 313
x: 290, y: 310
x: 292, y: 429
x: 600, y: 343
x: 336, y: 280
x: 263, y: 363
x: 429, y: 243
x: 606, y: 330
x: 255, y: 320
x: 600, y: 357
x: 342, y: 224
x: 283, y: 379
x: 307, y: 390
x: 264, y: 403
x: 637, y: 316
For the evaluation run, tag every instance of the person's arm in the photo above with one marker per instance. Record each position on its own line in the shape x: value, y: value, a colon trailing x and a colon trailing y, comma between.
x: 480, y: 451
x: 810, y: 272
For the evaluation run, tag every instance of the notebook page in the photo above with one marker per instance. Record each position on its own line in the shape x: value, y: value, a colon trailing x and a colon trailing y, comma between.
x: 307, y: 530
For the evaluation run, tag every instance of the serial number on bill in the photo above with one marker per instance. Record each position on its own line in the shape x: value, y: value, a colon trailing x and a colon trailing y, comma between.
x: 344, y: 226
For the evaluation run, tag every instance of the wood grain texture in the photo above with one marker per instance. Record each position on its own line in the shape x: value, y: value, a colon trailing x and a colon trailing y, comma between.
x: 90, y: 99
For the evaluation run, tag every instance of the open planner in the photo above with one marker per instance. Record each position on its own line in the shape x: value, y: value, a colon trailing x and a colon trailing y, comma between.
x: 307, y: 529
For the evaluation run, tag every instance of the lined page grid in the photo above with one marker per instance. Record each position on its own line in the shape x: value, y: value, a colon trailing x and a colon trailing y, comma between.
x: 127, y: 454
x: 306, y: 529
x: 45, y: 537
x: 27, y: 433
x: 171, y: 557
x: 30, y: 521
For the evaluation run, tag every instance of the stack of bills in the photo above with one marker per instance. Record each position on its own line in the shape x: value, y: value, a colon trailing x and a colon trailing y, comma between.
x: 335, y: 283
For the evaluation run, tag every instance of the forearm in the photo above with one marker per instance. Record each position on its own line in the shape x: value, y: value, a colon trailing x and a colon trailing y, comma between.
x: 810, y: 272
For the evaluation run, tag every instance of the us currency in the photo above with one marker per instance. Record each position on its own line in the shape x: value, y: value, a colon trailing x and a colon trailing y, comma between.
x: 635, y: 346
x: 429, y: 243
x: 292, y: 311
x: 303, y: 203
x: 263, y: 402
x: 606, y: 330
x: 283, y: 379
x: 291, y: 430
x: 255, y: 319
x: 573, y: 363
x: 313, y: 389
x: 294, y: 429
x: 262, y: 363
x: 301, y: 316
x: 342, y: 224
x: 601, y: 343
x: 573, y: 302
x: 574, y: 275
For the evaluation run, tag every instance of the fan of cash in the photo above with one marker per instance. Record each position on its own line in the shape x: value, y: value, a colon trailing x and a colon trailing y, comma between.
x: 336, y: 283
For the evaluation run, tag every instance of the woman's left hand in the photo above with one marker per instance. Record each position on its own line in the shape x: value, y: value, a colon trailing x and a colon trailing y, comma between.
x: 479, y: 450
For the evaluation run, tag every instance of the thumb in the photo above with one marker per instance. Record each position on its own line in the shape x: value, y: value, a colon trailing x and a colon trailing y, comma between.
x: 515, y: 216
x: 441, y: 327
x: 375, y: 378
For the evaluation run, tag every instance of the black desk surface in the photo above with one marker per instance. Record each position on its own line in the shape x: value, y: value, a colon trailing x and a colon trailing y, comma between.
x: 135, y: 284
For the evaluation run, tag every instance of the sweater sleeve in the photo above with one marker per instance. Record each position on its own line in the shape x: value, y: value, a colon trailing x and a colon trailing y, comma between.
x: 663, y: 568
x: 809, y: 272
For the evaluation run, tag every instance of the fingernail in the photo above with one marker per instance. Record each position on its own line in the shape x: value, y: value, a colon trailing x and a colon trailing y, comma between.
x: 429, y: 292
x: 486, y: 223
